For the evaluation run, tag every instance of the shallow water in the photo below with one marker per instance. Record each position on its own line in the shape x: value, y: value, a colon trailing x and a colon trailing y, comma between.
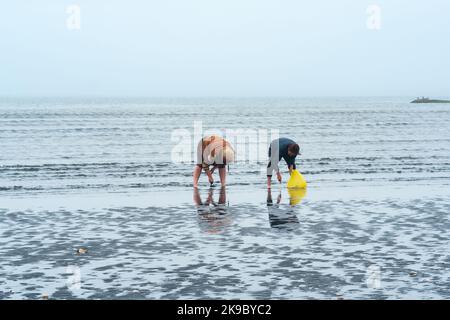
x: 97, y: 174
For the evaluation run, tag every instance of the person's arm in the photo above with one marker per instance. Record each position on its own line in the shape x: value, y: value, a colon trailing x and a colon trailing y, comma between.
x: 291, y: 168
x: 291, y: 163
x: 210, y: 176
x: 279, y: 177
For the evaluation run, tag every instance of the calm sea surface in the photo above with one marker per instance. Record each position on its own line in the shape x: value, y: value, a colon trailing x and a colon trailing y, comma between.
x: 98, y: 174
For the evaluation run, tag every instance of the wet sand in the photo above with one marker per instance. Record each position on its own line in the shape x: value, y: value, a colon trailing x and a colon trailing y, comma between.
x: 221, y: 245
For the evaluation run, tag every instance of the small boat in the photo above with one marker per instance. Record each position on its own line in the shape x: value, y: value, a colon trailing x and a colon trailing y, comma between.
x: 428, y: 100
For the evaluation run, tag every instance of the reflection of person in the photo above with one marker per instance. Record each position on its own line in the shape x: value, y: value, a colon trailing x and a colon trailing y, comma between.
x: 280, y: 217
x: 209, y: 200
x: 212, y: 216
x: 213, y: 152
x: 269, y: 198
x: 282, y: 148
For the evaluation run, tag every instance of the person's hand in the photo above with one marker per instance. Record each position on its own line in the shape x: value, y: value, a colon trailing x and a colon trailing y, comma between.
x: 279, y: 177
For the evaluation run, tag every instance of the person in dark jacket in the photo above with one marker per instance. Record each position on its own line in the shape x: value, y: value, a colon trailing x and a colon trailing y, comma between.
x: 282, y: 148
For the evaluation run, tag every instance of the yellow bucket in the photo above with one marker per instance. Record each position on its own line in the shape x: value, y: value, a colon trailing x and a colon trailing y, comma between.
x: 296, y: 181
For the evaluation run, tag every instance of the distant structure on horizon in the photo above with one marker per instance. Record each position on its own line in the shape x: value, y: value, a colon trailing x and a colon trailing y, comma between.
x: 428, y: 100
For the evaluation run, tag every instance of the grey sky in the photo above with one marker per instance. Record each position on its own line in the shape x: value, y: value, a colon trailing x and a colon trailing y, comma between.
x: 225, y: 48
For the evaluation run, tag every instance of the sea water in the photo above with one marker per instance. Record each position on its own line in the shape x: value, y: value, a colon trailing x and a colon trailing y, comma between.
x: 99, y: 174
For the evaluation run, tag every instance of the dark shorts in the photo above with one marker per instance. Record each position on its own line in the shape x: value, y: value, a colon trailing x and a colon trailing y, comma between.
x: 220, y: 166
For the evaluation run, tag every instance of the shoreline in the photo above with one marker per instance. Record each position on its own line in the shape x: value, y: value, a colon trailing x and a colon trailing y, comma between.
x: 235, y: 196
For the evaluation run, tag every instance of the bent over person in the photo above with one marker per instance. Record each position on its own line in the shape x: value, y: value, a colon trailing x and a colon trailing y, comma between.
x: 213, y: 152
x: 282, y: 148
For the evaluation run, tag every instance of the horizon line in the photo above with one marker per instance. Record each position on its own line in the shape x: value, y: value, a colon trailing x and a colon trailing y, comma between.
x: 210, y: 96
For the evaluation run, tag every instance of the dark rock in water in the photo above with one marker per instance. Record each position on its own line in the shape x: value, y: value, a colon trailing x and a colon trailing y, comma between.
x: 428, y: 100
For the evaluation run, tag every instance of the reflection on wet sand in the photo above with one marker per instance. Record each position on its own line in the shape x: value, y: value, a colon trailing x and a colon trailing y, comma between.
x: 282, y: 217
x: 296, y: 195
x: 213, y: 216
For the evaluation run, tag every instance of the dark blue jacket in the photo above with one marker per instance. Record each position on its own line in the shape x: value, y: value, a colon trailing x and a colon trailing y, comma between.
x: 282, y: 145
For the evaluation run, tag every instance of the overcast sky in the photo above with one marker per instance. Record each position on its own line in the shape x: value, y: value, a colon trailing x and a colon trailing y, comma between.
x: 224, y: 48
